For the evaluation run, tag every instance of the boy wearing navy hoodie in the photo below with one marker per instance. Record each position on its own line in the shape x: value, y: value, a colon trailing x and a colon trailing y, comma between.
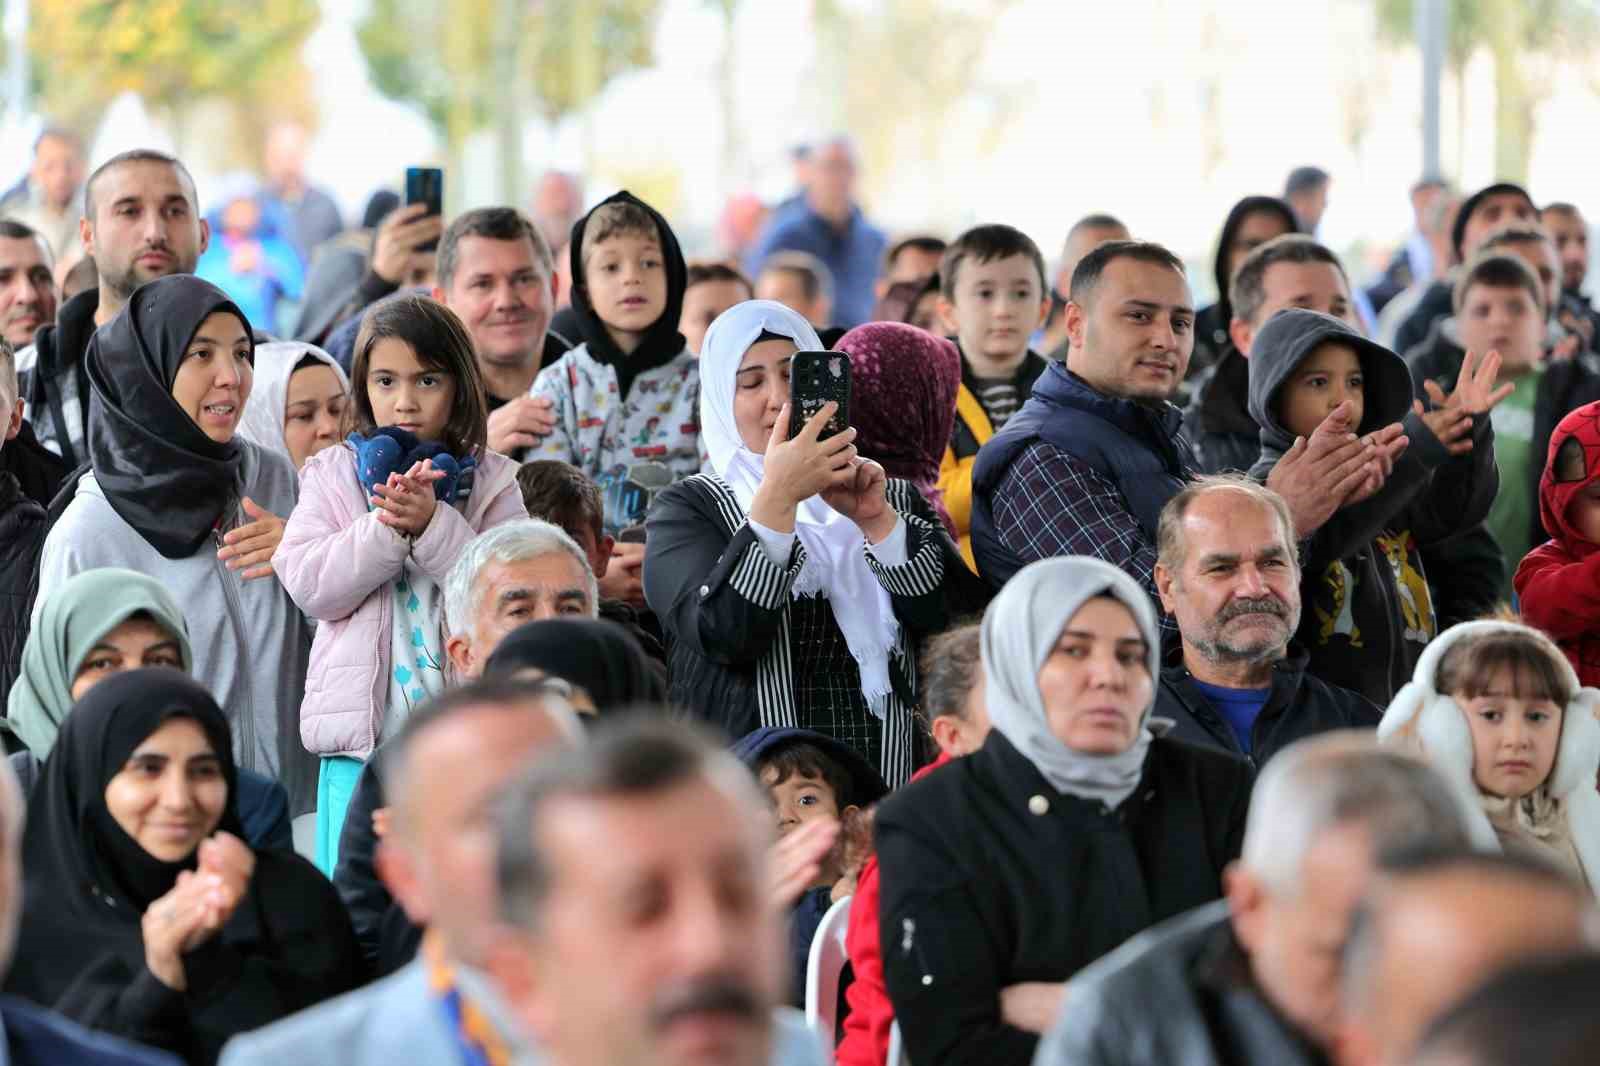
x: 811, y: 777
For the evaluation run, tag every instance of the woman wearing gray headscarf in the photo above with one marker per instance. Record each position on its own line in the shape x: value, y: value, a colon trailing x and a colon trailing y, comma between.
x: 1073, y: 828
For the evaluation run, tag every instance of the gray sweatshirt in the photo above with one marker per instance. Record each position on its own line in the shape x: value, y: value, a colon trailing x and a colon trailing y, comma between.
x: 250, y: 641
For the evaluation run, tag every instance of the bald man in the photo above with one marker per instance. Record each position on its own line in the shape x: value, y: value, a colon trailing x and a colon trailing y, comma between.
x: 1435, y: 926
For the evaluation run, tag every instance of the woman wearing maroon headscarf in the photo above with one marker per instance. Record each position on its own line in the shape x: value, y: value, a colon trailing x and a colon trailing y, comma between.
x: 903, y: 384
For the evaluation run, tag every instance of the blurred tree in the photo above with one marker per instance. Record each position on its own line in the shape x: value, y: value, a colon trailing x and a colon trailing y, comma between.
x: 924, y: 62
x: 174, y: 53
x: 1523, y: 38
x: 465, y: 63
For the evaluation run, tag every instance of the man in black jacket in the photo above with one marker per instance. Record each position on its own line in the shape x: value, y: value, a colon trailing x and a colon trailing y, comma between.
x: 22, y: 530
x: 141, y: 221
x: 1254, y: 980
x: 1226, y: 570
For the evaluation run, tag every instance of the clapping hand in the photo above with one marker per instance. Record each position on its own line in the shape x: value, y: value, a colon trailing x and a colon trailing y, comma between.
x: 405, y: 503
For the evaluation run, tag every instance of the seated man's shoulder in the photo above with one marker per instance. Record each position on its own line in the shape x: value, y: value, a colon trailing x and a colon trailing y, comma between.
x: 1110, y: 1003
x: 34, y: 1034
x: 391, y: 1011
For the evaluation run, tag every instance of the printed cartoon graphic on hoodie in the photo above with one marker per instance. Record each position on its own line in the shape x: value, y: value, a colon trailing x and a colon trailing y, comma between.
x: 1368, y: 612
x: 616, y: 411
x: 1558, y: 583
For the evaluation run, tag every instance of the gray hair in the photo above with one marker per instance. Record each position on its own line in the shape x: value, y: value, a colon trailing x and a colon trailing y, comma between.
x: 1345, y: 778
x: 525, y: 539
x: 626, y: 757
x: 1172, y: 549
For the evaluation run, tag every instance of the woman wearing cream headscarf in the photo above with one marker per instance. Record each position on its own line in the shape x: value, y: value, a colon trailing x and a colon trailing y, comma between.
x: 97, y: 624
x: 296, y: 405
x: 1073, y: 828
x: 794, y: 578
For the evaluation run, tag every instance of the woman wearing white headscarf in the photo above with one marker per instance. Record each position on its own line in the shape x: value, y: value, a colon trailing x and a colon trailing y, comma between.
x: 296, y: 407
x: 1074, y: 827
x: 793, y: 578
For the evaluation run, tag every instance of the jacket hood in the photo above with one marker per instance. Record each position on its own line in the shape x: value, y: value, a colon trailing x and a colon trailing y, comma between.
x: 866, y: 784
x: 662, y: 342
x: 1431, y: 724
x: 1571, y: 465
x: 1250, y: 205
x: 1285, y: 342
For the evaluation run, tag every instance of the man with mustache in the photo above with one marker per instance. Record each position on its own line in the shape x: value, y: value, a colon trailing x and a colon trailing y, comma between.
x: 1086, y: 465
x: 1227, y: 572
x: 141, y: 221
x: 635, y: 887
x: 496, y: 272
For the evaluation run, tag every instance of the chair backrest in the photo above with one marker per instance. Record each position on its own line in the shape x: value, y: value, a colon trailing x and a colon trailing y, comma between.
x: 824, y: 966
x: 897, y: 1049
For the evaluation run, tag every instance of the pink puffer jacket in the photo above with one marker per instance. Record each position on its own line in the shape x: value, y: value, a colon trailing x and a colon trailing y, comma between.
x: 337, y: 560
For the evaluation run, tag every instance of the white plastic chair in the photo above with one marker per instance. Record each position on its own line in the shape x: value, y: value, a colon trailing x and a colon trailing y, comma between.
x: 897, y: 1051
x: 824, y: 966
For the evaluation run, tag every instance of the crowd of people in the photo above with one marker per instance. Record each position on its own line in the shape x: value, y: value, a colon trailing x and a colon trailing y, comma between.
x: 442, y: 641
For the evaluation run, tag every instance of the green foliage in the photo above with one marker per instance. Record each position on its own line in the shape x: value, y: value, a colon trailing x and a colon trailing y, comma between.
x: 438, y: 54
x: 1521, y: 38
x: 171, y: 52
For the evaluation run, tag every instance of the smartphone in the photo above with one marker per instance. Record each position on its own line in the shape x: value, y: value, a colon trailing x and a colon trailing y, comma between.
x: 425, y: 185
x: 814, y: 379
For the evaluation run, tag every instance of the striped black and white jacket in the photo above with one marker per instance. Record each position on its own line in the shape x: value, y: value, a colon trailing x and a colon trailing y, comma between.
x: 724, y: 605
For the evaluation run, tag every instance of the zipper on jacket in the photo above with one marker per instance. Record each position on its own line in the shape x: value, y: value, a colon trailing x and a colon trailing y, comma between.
x: 235, y: 618
x: 909, y: 946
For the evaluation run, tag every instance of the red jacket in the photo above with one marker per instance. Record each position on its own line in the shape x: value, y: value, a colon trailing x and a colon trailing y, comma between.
x: 866, y: 1027
x: 1558, y: 583
x: 1559, y: 592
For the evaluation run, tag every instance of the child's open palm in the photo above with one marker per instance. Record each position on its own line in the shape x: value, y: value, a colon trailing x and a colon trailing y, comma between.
x: 1475, y: 393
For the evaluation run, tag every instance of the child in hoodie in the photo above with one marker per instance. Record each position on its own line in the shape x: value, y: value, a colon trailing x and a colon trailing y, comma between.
x: 1367, y: 611
x: 1558, y: 583
x: 629, y: 395
x: 810, y: 777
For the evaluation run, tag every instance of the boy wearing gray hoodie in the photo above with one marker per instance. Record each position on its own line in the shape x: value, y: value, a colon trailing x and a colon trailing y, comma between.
x: 1368, y: 612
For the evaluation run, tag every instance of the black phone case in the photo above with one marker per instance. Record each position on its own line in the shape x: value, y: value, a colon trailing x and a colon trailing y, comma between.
x: 425, y: 185
x: 814, y: 379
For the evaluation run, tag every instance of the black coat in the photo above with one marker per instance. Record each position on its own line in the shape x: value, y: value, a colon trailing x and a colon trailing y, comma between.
x: 725, y: 605
x: 990, y: 877
x: 384, y: 931
x: 287, y: 947
x: 22, y: 530
x: 1217, y: 423
x: 37, y: 469
x: 1298, y: 706
x: 1438, y: 301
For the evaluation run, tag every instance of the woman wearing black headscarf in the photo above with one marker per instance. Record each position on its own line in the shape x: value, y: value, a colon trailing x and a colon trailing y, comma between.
x: 175, y: 494
x: 1254, y: 221
x: 144, y: 914
x: 603, y: 663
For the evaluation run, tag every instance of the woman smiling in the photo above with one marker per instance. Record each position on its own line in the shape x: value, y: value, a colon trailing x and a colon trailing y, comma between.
x: 173, y: 492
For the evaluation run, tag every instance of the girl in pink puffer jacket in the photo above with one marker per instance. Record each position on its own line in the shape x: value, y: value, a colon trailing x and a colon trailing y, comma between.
x: 380, y: 521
